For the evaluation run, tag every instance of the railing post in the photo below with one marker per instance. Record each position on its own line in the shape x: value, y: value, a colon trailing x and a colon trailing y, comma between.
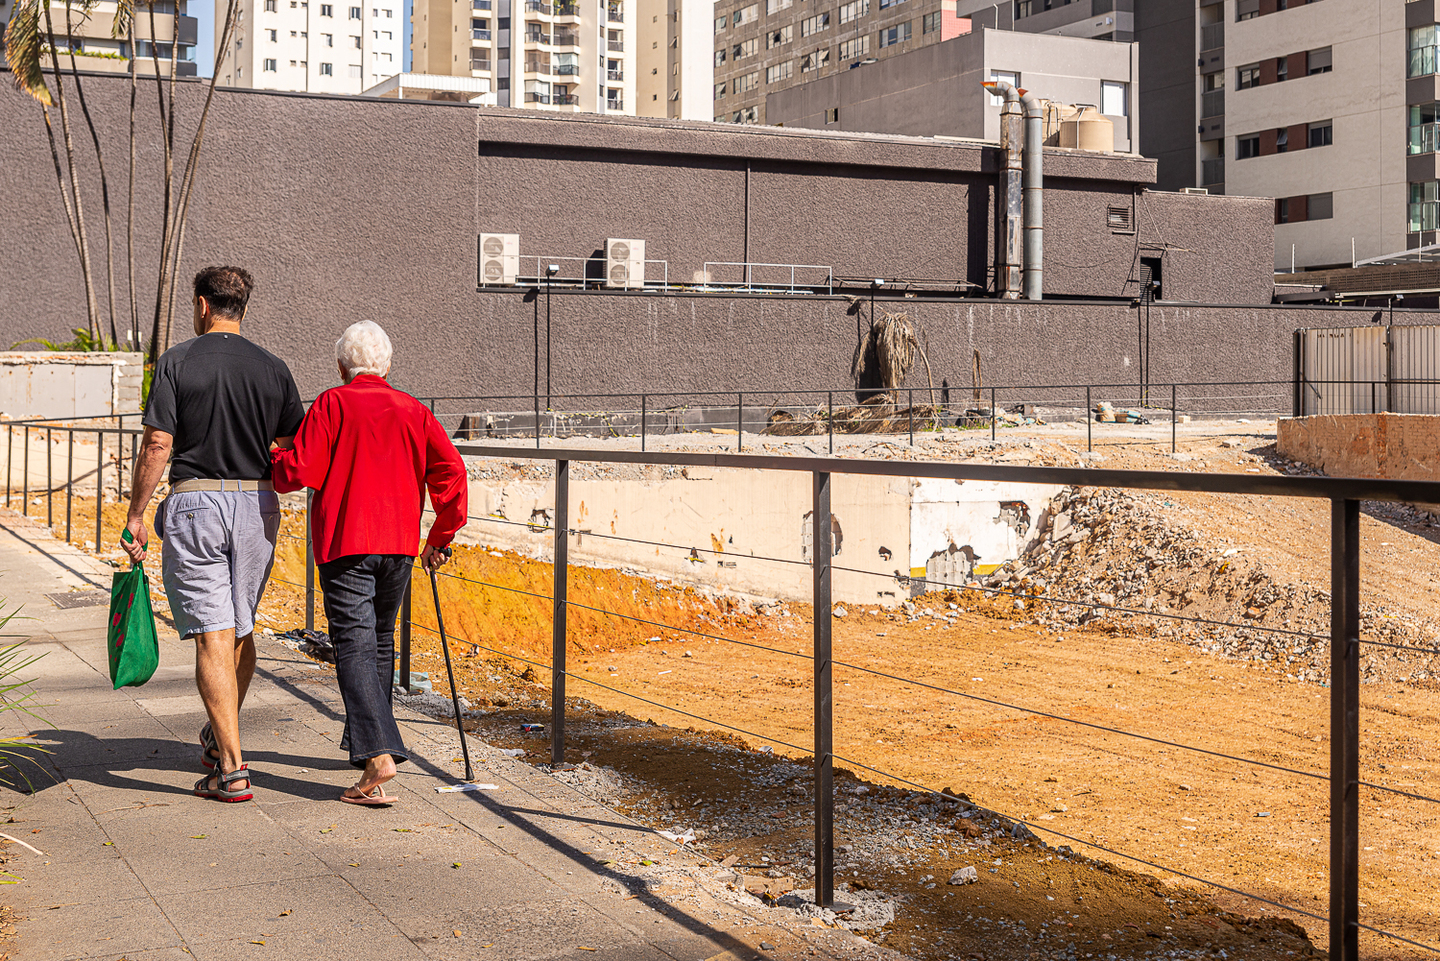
x: 643, y: 400
x: 537, y: 419
x: 740, y: 421
x: 911, y: 401
x: 25, y: 483
x: 405, y: 618
x: 1174, y: 417
x: 557, y: 619
x: 1372, y: 397
x: 309, y: 567
x: 1344, y: 730
x: 50, y: 477
x: 70, y: 480
x: 99, y: 487
x: 1089, y: 422
x: 820, y: 556
x: 9, y: 453
x: 992, y: 413
x: 830, y: 417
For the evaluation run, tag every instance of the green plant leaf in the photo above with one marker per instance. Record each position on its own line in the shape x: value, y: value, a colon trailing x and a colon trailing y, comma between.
x: 124, y: 14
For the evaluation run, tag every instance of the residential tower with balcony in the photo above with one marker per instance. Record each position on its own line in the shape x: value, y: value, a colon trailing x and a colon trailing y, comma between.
x: 340, y: 47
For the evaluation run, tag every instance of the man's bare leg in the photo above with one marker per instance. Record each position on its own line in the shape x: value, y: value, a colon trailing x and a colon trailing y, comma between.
x: 217, y: 676
x: 244, y: 668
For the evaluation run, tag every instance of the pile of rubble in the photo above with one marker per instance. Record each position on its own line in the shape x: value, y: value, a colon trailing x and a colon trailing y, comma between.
x: 1108, y: 556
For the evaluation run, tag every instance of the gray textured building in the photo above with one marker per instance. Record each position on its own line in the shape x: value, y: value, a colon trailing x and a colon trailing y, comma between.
x: 345, y: 208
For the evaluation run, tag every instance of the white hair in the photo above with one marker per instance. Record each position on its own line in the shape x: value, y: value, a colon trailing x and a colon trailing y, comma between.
x: 364, y: 348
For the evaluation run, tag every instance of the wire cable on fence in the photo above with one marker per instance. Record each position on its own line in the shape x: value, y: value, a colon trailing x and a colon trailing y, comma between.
x: 685, y: 630
x: 1089, y: 724
x: 1396, y: 790
x: 1402, y: 647
x: 616, y: 690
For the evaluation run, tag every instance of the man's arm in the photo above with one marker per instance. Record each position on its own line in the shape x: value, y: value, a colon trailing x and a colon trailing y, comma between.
x: 154, y: 454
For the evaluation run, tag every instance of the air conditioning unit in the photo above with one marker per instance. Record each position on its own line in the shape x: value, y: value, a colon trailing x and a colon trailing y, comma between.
x: 1194, y: 190
x: 625, y: 263
x: 499, y: 259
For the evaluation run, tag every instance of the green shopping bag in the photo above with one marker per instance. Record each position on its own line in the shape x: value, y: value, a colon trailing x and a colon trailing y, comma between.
x: 134, y: 648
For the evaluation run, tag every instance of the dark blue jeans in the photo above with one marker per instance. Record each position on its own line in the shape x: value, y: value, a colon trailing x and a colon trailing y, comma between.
x: 362, y: 598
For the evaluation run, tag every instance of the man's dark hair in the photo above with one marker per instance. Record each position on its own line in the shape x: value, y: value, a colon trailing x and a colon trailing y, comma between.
x: 225, y: 289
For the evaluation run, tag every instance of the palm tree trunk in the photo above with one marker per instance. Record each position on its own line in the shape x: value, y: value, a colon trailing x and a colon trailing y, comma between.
x: 130, y: 216
x: 60, y: 178
x: 81, y: 241
x: 169, y: 173
x: 170, y: 154
x: 232, y: 19
x: 104, y: 181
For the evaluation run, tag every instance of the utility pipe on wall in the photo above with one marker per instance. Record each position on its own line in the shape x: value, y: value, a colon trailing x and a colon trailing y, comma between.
x: 1033, y: 176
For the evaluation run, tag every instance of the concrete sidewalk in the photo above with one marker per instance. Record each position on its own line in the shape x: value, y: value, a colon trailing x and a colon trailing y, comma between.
x: 134, y: 866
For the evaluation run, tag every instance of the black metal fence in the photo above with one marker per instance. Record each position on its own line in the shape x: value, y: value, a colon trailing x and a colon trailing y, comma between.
x: 117, y: 449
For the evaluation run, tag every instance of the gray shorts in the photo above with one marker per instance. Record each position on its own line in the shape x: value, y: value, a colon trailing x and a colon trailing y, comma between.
x: 218, y: 551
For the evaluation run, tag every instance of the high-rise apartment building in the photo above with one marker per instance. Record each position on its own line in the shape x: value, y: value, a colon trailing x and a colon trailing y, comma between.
x: 673, y: 66
x: 560, y: 55
x: 340, y: 47
x: 763, y: 46
x: 88, y: 37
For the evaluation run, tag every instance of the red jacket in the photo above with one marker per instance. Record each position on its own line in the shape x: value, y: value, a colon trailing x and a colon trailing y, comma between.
x: 370, y: 452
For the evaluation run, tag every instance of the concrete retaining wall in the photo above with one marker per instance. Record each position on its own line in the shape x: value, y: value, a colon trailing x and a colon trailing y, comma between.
x: 1393, y: 446
x: 68, y: 383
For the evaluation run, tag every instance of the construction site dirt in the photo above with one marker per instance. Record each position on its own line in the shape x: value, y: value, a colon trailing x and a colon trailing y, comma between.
x: 1147, y: 689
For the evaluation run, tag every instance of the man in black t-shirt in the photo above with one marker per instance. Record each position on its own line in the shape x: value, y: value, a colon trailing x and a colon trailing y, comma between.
x: 217, y: 403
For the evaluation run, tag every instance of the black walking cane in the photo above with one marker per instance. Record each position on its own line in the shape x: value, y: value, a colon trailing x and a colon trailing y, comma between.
x: 449, y: 671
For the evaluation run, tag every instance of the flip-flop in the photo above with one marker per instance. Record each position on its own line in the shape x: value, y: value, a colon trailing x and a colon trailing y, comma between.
x: 376, y: 797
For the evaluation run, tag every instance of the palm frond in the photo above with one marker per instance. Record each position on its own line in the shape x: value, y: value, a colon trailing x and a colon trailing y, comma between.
x: 124, y: 14
x: 24, y: 48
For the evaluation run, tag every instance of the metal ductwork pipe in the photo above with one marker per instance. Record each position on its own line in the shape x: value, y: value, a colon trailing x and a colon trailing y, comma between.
x: 1012, y: 138
x: 1032, y: 177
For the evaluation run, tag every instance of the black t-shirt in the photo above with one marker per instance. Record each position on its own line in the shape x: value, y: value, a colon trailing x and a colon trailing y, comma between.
x: 223, y: 400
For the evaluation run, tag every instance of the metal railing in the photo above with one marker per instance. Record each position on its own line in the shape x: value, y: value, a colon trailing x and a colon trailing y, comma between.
x: 565, y: 99
x: 616, y: 105
x: 749, y: 270
x: 479, y: 64
x: 1212, y: 171
x: 565, y: 69
x: 615, y: 15
x: 536, y: 36
x: 615, y: 74
x: 537, y: 6
x: 479, y: 34
x: 617, y: 45
x: 566, y: 39
x: 567, y: 9
x: 583, y: 272
x: 1342, y: 773
x: 1424, y: 138
x: 537, y: 66
x: 1212, y: 35
x: 1422, y: 61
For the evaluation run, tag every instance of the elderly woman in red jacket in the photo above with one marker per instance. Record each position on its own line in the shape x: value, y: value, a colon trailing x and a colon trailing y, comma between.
x: 371, y: 452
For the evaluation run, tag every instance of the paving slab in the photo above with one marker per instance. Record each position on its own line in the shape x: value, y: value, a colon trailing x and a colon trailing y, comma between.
x: 133, y: 865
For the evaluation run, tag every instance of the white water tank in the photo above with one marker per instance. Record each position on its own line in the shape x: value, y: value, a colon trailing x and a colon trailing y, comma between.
x: 1088, y: 129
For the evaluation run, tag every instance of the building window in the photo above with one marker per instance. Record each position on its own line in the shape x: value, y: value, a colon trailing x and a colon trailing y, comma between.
x: 354, y: 13
x: 745, y: 83
x: 269, y: 6
x: 1013, y: 79
x: 1319, y: 61
x: 1424, y: 127
x: 270, y: 66
x: 329, y: 39
x: 855, y: 49
x: 746, y: 115
x: 779, y: 72
x: 1425, y: 206
x: 1022, y: 8
x: 1282, y: 140
x: 1247, y: 147
x: 1320, y: 206
x: 832, y: 115
x: 327, y: 70
x: 775, y: 6
x: 1282, y: 69
x: 746, y: 15
x: 719, y: 56
x: 1247, y: 77
x: 720, y: 24
x: 746, y: 48
x: 1114, y: 99
x: 1247, y: 9
x: 780, y: 37
x: 814, y: 24
x: 720, y: 90
x: 1422, y: 50
x: 854, y: 10
x: 357, y: 42
x: 1282, y: 210
x: 327, y: 10
x: 930, y: 22
x: 274, y: 36
x: 1321, y: 134
x: 896, y: 34
x: 889, y: 3
x: 814, y: 61
x: 355, y: 71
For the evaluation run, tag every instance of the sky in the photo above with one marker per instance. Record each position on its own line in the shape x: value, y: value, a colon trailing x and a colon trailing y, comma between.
x: 204, y: 12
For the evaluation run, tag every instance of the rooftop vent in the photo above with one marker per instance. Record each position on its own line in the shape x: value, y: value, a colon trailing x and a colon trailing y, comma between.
x: 1118, y: 219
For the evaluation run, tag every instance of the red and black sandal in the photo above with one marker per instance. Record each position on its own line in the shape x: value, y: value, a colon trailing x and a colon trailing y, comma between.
x: 222, y: 791
x: 209, y: 749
